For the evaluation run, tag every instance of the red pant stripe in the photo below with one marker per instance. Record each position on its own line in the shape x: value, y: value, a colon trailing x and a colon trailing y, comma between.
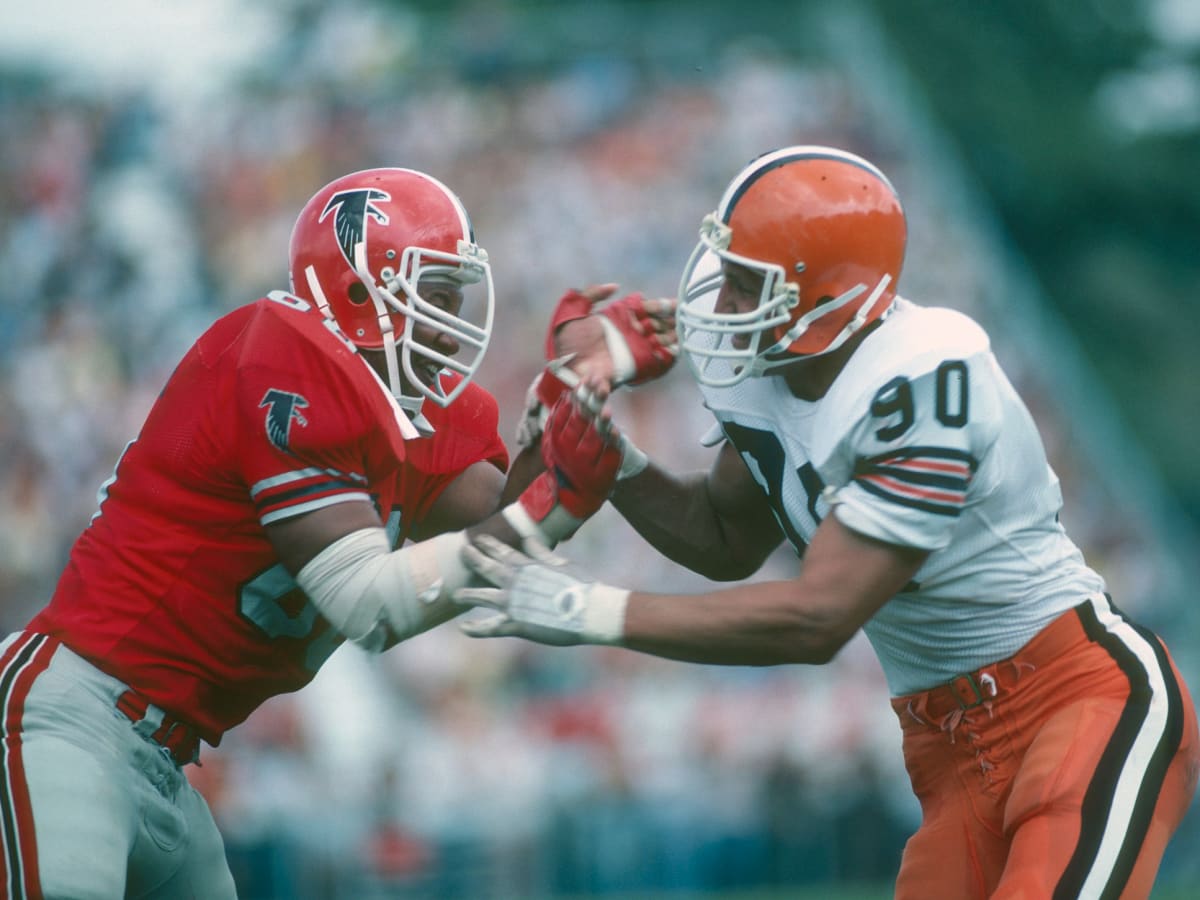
x: 27, y: 658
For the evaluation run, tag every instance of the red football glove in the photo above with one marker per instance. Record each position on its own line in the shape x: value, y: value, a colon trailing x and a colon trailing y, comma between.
x: 583, y: 453
x: 638, y: 337
x: 639, y: 350
x: 553, y: 382
x: 583, y: 450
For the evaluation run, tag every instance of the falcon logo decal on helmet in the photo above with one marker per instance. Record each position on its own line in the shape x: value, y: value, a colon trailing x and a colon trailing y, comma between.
x: 283, y: 408
x: 359, y: 251
x: 350, y: 220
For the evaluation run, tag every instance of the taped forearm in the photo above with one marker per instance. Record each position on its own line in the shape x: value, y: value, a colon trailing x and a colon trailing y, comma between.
x: 555, y: 526
x: 376, y: 596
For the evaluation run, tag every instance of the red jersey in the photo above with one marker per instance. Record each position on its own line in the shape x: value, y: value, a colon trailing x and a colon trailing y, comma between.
x: 174, y: 587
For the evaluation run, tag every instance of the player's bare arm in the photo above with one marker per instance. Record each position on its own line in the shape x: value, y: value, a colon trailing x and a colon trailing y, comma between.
x: 470, y: 498
x: 844, y: 580
x: 298, y: 539
x: 717, y: 523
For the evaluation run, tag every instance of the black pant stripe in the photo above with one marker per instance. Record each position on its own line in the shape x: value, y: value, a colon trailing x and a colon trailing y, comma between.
x: 1102, y: 792
x: 1156, y: 771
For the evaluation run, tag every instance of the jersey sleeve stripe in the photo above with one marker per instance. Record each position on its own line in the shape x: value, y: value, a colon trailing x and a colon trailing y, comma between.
x: 299, y: 492
x: 925, y: 465
x: 939, y: 503
x: 274, y: 514
x: 907, y: 490
x: 955, y: 482
x: 276, y: 481
x: 932, y: 479
x: 303, y: 487
x: 302, y: 490
x: 925, y: 456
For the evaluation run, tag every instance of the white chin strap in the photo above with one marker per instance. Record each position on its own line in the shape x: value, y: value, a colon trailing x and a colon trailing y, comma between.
x: 383, y: 314
x: 310, y: 276
x: 802, y: 324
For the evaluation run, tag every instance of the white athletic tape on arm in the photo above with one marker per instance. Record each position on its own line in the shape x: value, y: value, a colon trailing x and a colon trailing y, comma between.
x: 557, y: 526
x: 633, y: 459
x: 604, y: 622
x: 376, y: 596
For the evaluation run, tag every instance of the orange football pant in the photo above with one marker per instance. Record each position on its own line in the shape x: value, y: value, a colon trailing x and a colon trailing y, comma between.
x: 1060, y: 772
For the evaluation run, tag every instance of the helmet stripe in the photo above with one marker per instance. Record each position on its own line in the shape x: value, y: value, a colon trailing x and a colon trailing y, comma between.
x: 768, y: 162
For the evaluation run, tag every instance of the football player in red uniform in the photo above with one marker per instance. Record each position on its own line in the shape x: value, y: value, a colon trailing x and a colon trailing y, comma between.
x: 258, y: 519
x: 1050, y: 738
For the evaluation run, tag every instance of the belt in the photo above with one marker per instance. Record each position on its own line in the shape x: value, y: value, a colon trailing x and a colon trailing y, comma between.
x: 176, y: 737
x: 974, y: 689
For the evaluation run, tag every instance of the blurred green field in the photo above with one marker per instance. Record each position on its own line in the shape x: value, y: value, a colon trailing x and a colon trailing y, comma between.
x: 849, y: 892
x: 821, y: 892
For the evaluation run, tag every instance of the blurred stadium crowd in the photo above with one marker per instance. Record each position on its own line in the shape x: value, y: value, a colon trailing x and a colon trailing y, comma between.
x: 448, y: 767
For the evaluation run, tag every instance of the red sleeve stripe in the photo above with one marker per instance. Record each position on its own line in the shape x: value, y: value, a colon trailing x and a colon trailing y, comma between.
x: 929, y: 465
x: 932, y: 479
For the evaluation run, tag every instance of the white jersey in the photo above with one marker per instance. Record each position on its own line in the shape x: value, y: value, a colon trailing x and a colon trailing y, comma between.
x: 922, y: 441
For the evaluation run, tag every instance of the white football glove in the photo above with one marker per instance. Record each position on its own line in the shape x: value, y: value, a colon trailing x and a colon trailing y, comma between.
x: 540, y: 597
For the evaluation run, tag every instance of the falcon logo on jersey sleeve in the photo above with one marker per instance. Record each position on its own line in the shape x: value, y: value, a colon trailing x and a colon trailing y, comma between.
x: 283, y: 408
x: 932, y: 479
x: 350, y: 218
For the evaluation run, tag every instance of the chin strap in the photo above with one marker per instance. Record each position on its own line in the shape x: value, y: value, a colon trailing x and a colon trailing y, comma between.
x: 850, y: 328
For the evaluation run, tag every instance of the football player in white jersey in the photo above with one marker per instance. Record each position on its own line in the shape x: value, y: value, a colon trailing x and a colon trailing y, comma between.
x: 1049, y: 738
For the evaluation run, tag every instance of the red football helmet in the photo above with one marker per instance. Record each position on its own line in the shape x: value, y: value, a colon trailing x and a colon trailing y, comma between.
x: 360, y: 250
x: 826, y: 231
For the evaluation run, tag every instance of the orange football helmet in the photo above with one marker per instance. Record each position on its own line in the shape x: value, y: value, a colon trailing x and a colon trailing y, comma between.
x: 825, y: 229
x: 361, y: 248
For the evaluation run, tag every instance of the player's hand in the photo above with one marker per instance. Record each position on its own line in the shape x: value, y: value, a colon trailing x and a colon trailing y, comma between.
x: 628, y: 341
x: 538, y: 596
x: 583, y: 452
x: 582, y: 448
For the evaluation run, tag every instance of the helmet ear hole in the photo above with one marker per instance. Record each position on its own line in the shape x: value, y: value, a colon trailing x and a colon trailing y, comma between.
x: 357, y: 292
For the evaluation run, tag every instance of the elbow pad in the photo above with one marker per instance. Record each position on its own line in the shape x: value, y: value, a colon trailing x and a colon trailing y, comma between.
x: 377, y: 596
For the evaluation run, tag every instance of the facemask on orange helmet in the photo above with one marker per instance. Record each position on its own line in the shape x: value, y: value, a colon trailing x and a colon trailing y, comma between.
x: 363, y: 247
x: 825, y: 230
